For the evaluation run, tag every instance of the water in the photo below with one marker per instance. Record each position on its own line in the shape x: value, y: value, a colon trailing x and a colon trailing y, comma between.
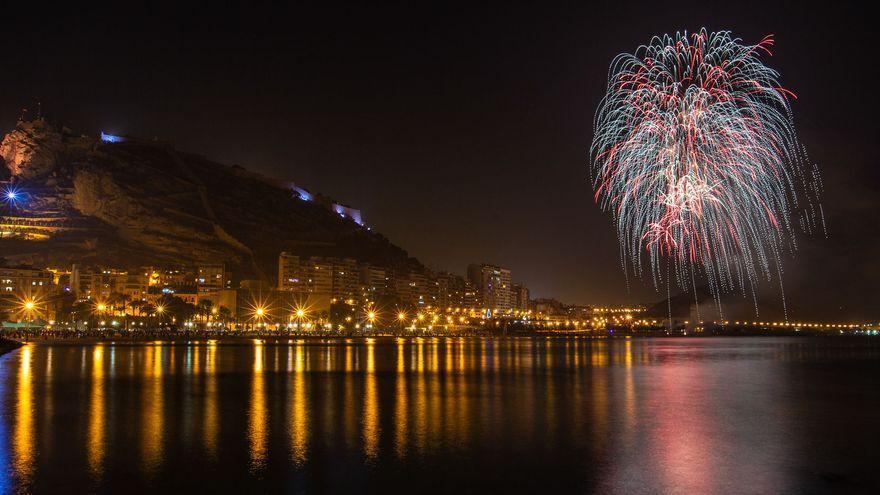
x: 721, y: 415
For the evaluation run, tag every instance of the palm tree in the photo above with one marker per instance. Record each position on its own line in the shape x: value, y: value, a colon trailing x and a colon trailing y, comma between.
x: 81, y: 308
x: 204, y: 309
x: 136, y: 307
x: 224, y: 314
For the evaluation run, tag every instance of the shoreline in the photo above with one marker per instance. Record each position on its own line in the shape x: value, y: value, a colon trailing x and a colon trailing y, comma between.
x: 7, y: 345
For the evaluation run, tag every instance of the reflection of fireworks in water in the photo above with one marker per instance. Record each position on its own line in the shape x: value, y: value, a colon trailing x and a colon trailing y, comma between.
x: 696, y: 157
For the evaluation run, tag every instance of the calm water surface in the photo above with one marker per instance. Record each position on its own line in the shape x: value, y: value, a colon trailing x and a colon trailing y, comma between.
x: 726, y: 415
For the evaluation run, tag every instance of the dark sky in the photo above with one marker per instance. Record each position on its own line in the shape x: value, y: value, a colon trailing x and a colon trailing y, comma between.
x: 462, y: 132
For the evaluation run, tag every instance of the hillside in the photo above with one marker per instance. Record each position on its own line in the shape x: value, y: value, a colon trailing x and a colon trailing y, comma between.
x: 133, y: 203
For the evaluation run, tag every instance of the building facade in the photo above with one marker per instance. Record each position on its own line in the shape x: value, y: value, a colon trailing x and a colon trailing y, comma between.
x: 335, y: 278
x: 521, y: 301
x: 211, y: 276
x: 25, y: 281
x: 493, y: 286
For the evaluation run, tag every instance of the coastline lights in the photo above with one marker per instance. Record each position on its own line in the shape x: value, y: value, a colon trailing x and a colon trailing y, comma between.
x: 29, y: 307
x: 259, y: 310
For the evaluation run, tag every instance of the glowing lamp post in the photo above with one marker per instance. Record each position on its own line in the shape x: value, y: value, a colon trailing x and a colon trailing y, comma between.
x: 160, y: 311
x: 29, y: 307
x: 259, y: 314
x: 299, y: 314
x: 100, y: 308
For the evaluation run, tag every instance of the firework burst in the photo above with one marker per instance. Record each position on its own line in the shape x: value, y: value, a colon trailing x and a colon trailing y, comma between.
x: 696, y: 157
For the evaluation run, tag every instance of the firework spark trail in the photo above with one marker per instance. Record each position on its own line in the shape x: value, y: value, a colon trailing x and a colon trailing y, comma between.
x: 696, y: 157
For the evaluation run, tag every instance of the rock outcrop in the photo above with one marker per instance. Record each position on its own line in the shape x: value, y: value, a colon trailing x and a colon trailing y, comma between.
x: 135, y: 202
x: 32, y: 149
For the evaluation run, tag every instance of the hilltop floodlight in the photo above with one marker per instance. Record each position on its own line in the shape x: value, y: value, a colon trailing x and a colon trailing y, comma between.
x: 11, y: 195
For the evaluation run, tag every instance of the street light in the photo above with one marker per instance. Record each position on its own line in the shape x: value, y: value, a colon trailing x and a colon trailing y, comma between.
x: 160, y: 310
x: 29, y: 306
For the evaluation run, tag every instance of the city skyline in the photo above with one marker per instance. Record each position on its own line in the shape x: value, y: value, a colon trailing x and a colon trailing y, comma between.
x: 440, y: 164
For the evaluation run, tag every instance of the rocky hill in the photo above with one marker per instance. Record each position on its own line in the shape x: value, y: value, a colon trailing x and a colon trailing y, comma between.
x: 133, y: 202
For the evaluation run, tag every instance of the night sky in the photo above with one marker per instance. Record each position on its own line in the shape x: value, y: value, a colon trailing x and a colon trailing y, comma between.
x: 462, y: 132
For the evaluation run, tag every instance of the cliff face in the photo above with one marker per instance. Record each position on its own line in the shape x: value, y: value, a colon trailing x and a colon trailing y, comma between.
x: 31, y: 150
x: 134, y: 203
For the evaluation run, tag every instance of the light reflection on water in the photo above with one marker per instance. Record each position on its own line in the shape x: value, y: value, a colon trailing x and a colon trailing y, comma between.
x: 626, y: 416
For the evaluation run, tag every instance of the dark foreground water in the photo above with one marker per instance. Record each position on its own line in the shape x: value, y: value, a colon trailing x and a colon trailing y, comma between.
x: 725, y: 415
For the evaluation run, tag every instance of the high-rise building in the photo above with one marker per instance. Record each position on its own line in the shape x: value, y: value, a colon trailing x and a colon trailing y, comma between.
x: 374, y: 280
x: 493, y: 285
x: 471, y: 295
x: 211, y: 276
x: 292, y: 274
x: 521, y: 300
x: 336, y: 277
x: 320, y: 276
x: 451, y: 290
x: 414, y: 288
x: 346, y: 277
